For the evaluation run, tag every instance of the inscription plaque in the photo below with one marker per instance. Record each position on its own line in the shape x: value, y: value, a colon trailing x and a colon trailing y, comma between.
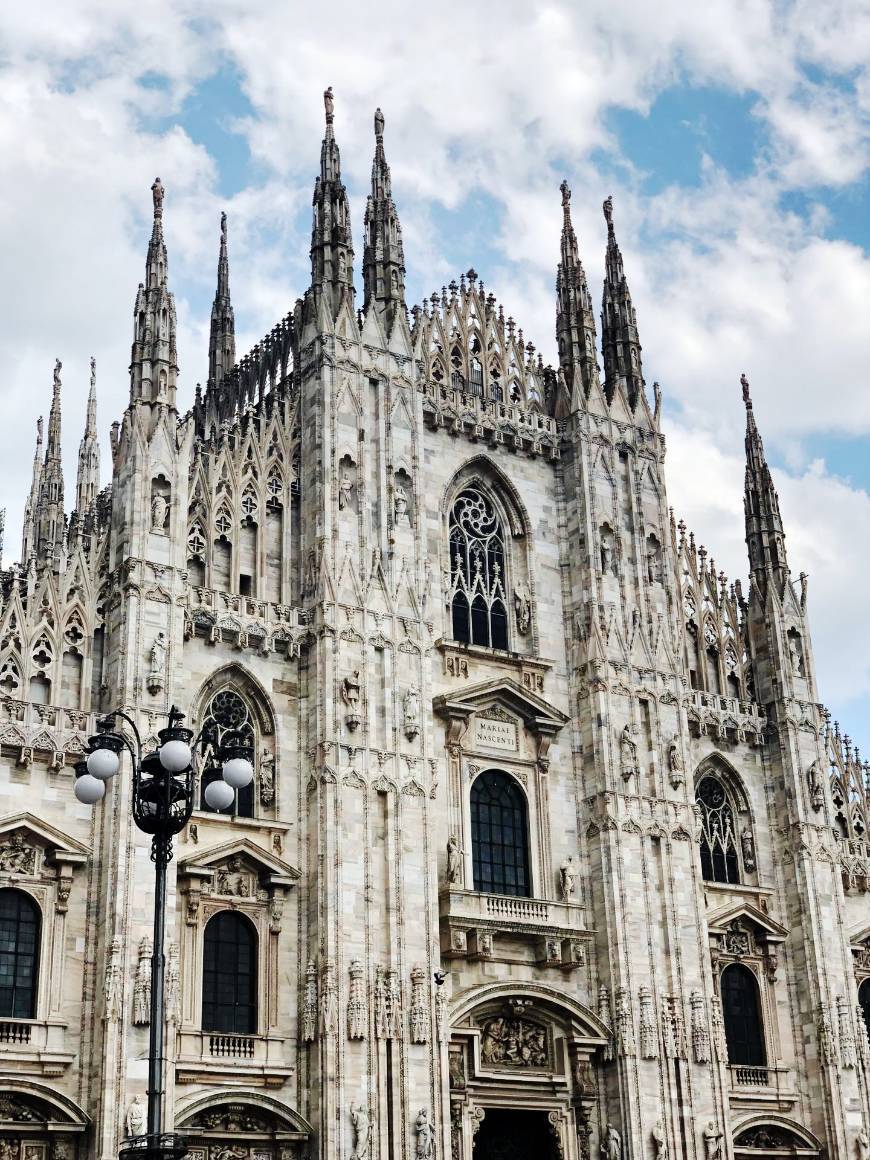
x: 496, y: 733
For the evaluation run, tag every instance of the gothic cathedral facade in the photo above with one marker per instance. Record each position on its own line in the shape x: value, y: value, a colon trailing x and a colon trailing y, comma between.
x: 551, y: 851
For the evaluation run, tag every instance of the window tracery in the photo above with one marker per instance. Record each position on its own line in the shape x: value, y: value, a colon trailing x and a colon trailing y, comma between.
x: 477, y: 571
x: 227, y: 712
x: 719, y: 857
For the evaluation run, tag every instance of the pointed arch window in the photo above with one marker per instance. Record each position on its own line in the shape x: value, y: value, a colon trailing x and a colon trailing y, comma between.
x: 719, y: 858
x: 19, y: 954
x: 864, y: 1002
x: 499, y: 835
x: 477, y: 572
x: 741, y: 1015
x: 227, y: 712
x: 229, y: 975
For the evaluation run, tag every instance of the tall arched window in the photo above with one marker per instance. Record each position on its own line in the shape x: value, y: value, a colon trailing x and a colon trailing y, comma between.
x: 19, y: 954
x: 741, y: 1014
x: 719, y: 859
x: 477, y: 571
x: 864, y: 1000
x: 499, y: 835
x: 229, y: 975
x: 227, y: 712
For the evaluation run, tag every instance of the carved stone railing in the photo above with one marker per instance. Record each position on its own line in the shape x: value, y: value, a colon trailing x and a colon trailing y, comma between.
x: 261, y: 625
x: 38, y: 732
x: 478, y: 925
x: 769, y: 1085
x: 34, y: 1047
x: 750, y: 1076
x: 725, y: 718
x: 210, y: 1056
x: 464, y: 412
x: 11, y: 1031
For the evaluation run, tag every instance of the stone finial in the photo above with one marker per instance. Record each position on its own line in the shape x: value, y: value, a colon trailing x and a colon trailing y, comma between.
x: 379, y: 125
x: 329, y: 105
x: 158, y: 193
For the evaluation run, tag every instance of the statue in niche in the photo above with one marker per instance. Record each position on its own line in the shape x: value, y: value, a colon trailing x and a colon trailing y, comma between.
x: 400, y: 505
x: 350, y: 690
x: 362, y: 1132
x: 567, y: 878
x: 653, y: 561
x: 747, y: 845
x: 862, y: 1144
x: 795, y: 653
x: 157, y: 660
x: 425, y: 1146
x: 454, y: 860
x: 523, y: 608
x: 159, y: 508
x: 607, y: 551
x: 16, y: 858
x: 627, y: 754
x: 659, y: 1140
x: 817, y: 794
x: 267, y: 778
x: 712, y: 1147
x: 345, y: 491
x: 136, y: 1117
x: 611, y: 1144
x: 675, y: 764
x: 411, y: 711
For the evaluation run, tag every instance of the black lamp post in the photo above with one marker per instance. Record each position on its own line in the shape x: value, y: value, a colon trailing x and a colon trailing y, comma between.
x: 164, y: 788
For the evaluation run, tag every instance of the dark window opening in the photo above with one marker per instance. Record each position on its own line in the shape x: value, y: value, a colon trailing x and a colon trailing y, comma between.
x: 719, y: 860
x: 477, y: 572
x: 499, y: 835
x: 741, y: 1015
x: 229, y: 975
x: 19, y: 954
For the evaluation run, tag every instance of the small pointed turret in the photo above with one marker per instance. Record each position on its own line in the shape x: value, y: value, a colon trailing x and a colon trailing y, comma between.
x: 575, y: 321
x: 619, y: 340
x: 331, y: 244
x: 49, y: 514
x: 222, y: 337
x: 154, y: 360
x: 383, y: 255
x: 88, y: 478
x: 765, y: 537
x: 28, y: 538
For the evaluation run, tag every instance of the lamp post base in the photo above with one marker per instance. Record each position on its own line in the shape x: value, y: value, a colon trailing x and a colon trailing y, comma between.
x: 166, y: 1146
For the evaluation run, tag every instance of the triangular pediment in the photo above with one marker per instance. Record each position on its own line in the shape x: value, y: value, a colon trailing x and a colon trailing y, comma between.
x: 860, y: 939
x: 58, y: 846
x: 536, y: 713
x: 203, y: 864
x: 720, y: 919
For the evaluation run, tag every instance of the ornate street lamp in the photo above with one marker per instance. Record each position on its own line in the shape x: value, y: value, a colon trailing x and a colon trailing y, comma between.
x: 164, y: 788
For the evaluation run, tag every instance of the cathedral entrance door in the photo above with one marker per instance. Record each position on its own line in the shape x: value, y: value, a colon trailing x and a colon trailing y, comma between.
x: 507, y: 1134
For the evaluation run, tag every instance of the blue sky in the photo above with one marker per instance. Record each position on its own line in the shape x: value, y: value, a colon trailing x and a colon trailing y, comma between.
x: 735, y: 141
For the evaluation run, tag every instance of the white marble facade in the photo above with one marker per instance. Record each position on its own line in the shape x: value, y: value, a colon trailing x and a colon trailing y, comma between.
x: 301, y: 549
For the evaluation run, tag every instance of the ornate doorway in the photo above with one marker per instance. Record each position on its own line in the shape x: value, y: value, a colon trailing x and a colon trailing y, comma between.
x: 250, y: 1127
x: 508, y: 1134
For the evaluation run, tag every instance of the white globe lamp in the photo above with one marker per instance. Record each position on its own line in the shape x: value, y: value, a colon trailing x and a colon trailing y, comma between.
x: 89, y: 789
x: 218, y: 795
x: 238, y: 772
x: 174, y: 756
x: 103, y: 764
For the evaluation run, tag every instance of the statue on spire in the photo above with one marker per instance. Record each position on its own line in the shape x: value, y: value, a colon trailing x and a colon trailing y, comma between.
x: 223, y: 227
x: 379, y: 124
x: 57, y: 369
x: 608, y: 210
x: 744, y: 383
x: 329, y: 105
x: 566, y: 194
x: 93, y: 372
x: 157, y: 192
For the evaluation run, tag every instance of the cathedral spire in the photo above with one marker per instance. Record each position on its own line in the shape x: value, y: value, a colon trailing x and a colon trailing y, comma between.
x: 153, y: 363
x: 383, y: 255
x: 28, y: 539
x: 619, y: 340
x: 222, y: 338
x: 88, y: 478
x: 49, y: 513
x: 575, y: 321
x: 331, y: 244
x: 765, y: 537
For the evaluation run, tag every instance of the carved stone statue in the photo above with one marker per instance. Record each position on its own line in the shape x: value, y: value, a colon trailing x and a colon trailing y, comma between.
x: 9, y: 1149
x: 411, y: 710
x: 158, y: 654
x: 400, y: 505
x: 58, y: 366
x: 362, y: 1132
x: 350, y: 691
x: 159, y: 508
x: 814, y: 784
x: 862, y: 1144
x: 567, y: 878
x: 267, y: 777
x: 676, y: 768
x: 795, y: 653
x: 523, y: 608
x: 606, y: 552
x: 15, y: 857
x: 712, y: 1138
x: 136, y: 1117
x: 345, y: 491
x: 157, y: 193
x: 329, y: 105
x: 425, y: 1147
x: 747, y: 845
x: 659, y: 1140
x: 653, y: 561
x: 627, y: 753
x: 454, y: 860
x: 611, y: 1144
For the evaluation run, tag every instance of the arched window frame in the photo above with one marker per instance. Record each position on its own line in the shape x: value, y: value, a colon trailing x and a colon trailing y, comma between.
x: 526, y: 886
x: 763, y: 1053
x: 484, y: 477
x: 745, y: 854
x: 208, y: 1018
x: 17, y: 1009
